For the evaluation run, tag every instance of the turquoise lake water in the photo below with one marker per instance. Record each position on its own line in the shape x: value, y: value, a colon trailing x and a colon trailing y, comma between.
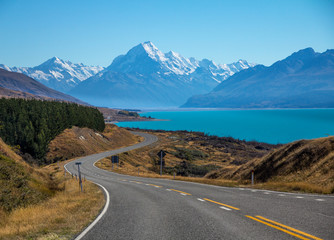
x: 271, y: 126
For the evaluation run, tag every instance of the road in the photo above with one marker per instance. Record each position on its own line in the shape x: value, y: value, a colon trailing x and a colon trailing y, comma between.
x: 148, y: 208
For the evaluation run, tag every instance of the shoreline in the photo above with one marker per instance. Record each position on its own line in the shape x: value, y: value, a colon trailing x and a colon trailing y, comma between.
x: 224, y: 109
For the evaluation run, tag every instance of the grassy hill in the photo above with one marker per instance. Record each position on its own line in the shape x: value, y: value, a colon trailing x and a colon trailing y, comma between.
x: 305, y: 165
x: 77, y: 142
x: 20, y: 184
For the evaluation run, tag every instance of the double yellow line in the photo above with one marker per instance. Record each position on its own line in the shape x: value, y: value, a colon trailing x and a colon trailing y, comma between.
x: 283, y: 228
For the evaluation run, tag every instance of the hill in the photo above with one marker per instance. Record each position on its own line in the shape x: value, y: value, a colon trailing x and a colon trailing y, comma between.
x: 307, y: 162
x: 20, y: 184
x: 77, y: 142
x: 7, y: 93
x: 305, y: 165
x: 32, y: 124
x: 303, y: 80
x: 22, y: 85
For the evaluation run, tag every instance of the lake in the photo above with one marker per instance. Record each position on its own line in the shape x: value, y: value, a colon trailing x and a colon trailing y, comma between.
x: 271, y: 126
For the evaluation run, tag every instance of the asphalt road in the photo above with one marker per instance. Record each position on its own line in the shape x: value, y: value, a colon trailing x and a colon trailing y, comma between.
x: 147, y: 208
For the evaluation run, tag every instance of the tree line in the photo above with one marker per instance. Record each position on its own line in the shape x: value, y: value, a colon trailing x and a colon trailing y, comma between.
x: 32, y: 124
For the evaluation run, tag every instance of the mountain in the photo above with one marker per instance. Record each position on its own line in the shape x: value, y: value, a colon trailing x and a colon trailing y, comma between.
x: 146, y: 77
x: 14, y: 84
x: 58, y: 74
x: 303, y: 80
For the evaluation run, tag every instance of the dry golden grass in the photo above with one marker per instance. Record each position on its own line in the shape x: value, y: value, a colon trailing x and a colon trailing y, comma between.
x: 78, y: 142
x: 316, y: 158
x: 131, y: 170
x: 60, y: 217
x: 63, y: 211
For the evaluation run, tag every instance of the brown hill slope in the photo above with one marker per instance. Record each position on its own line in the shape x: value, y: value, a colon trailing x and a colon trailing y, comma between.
x: 20, y: 184
x: 7, y: 93
x: 22, y: 83
x: 305, y: 161
x: 77, y: 142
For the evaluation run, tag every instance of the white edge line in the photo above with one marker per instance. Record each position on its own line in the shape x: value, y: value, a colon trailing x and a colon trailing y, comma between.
x: 84, y: 232
x: 200, y: 199
x: 183, y: 194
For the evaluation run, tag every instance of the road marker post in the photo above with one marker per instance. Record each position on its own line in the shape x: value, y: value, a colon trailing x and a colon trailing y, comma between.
x: 79, y: 173
x: 161, y: 154
x: 252, y: 177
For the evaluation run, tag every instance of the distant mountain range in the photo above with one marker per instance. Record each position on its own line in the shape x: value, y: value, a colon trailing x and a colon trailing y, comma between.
x: 57, y: 74
x: 303, y: 80
x: 18, y: 85
x: 146, y: 77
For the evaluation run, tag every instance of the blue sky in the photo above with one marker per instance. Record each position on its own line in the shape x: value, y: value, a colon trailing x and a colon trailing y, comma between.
x: 95, y: 32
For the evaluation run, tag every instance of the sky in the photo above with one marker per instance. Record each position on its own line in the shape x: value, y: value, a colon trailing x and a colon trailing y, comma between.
x: 95, y: 32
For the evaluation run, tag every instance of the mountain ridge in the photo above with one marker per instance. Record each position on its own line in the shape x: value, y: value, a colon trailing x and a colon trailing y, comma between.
x: 19, y: 85
x: 56, y: 73
x: 146, y: 77
x: 304, y: 79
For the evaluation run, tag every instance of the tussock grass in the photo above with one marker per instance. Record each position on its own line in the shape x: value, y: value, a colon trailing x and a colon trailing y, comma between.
x: 78, y: 142
x: 296, y: 187
x: 59, y: 217
x: 301, y: 166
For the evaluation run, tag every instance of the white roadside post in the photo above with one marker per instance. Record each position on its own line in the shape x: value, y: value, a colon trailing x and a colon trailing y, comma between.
x: 252, y: 177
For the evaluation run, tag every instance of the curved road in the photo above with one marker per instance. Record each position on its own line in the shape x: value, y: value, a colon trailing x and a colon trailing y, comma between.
x: 148, y: 208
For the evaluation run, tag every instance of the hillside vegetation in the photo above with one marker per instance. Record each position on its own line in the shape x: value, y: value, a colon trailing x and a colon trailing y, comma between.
x: 32, y: 124
x: 190, y: 154
x: 40, y: 203
x: 20, y: 184
x: 77, y: 142
x: 305, y: 165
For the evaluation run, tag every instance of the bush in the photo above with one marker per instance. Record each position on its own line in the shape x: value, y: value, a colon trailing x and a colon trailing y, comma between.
x: 189, y: 154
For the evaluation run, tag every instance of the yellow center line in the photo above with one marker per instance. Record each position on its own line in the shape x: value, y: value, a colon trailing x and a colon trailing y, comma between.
x: 290, y: 228
x: 180, y: 191
x: 154, y: 185
x: 206, y: 199
x: 278, y: 228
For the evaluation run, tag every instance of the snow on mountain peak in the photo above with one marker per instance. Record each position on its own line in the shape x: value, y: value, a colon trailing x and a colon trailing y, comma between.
x: 169, y: 63
x: 153, y: 51
x: 57, y: 73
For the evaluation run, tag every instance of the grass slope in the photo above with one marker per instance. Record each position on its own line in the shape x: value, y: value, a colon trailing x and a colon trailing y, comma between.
x: 303, y: 166
x: 77, y: 142
x: 41, y: 203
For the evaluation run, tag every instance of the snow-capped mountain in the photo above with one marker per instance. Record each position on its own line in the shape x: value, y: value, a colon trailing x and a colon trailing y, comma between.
x: 305, y: 79
x: 58, y: 74
x: 146, y: 57
x: 147, y: 77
